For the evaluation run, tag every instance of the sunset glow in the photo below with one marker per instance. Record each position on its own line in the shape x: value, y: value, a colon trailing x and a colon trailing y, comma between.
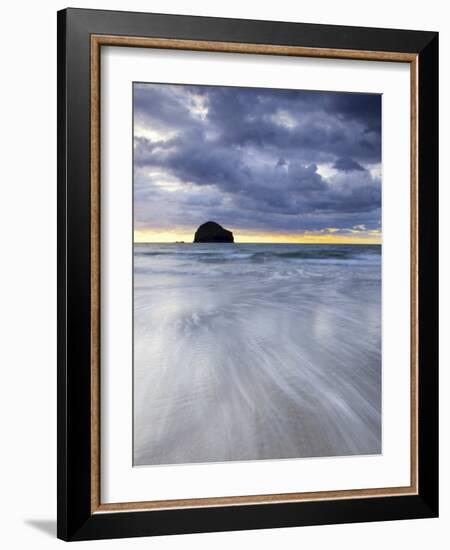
x: 355, y: 237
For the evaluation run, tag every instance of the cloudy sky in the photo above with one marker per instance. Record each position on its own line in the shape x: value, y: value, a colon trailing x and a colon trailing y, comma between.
x: 270, y: 165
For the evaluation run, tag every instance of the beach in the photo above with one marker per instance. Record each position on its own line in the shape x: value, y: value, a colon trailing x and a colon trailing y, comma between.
x: 256, y: 352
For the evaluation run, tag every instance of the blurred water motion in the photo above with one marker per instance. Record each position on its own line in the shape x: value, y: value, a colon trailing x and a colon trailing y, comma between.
x: 245, y: 352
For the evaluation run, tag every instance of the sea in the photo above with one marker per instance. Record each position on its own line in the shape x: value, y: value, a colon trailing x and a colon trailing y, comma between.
x: 256, y: 352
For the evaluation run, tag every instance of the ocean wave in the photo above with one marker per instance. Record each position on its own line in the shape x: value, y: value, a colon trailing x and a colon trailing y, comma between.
x: 244, y: 359
x: 259, y: 254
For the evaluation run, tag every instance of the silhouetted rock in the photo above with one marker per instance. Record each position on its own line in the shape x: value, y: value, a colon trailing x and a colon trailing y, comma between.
x: 212, y: 232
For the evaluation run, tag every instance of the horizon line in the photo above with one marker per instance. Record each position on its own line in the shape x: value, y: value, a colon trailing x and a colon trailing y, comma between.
x: 265, y: 242
x: 331, y: 236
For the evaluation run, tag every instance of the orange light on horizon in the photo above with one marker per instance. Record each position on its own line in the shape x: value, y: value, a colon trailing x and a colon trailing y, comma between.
x: 356, y: 237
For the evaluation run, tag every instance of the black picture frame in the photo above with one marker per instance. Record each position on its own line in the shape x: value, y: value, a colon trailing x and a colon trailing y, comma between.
x: 76, y: 521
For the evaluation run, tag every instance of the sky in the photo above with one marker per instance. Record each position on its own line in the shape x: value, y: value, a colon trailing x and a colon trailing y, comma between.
x: 271, y: 165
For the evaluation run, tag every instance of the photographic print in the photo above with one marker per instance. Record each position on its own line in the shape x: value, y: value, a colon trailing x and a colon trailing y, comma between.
x: 257, y: 274
x: 247, y: 274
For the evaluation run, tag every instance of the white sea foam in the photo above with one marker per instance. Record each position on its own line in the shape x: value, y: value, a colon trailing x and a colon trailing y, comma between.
x: 246, y: 352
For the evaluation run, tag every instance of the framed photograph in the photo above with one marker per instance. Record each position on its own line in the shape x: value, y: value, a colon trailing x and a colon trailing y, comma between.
x: 247, y: 274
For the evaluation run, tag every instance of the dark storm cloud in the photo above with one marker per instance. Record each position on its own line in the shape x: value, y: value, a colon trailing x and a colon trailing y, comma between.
x: 347, y: 165
x: 256, y: 158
